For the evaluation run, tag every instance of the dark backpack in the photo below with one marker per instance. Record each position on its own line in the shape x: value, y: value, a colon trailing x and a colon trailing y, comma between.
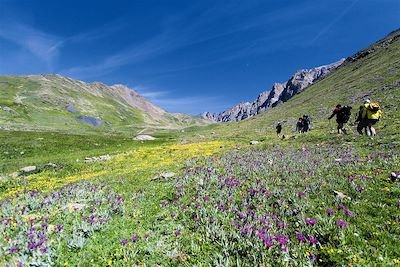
x: 374, y: 107
x: 344, y: 114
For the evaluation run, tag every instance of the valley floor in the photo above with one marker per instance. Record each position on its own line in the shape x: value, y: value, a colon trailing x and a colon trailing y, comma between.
x: 327, y: 202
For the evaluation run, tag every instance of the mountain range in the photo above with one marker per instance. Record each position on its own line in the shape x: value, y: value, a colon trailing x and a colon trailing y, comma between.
x: 55, y: 102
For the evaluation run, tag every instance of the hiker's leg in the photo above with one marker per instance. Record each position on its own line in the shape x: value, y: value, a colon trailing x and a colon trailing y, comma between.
x: 360, y: 127
x: 368, y: 130
x: 340, y: 128
x: 373, y: 132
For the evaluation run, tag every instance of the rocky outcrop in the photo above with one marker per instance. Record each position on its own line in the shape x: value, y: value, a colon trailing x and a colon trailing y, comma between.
x: 279, y: 93
x: 384, y: 43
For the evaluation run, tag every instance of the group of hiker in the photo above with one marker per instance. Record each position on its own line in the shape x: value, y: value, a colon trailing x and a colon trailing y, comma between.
x: 368, y: 115
x: 303, y: 124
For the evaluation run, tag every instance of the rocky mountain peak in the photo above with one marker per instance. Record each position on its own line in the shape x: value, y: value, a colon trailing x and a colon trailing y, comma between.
x: 280, y: 92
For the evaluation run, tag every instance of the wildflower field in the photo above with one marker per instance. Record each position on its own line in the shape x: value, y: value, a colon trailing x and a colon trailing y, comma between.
x: 327, y: 203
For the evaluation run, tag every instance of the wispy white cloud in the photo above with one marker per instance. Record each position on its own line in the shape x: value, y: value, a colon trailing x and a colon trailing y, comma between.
x: 45, y: 47
x: 154, y: 94
x: 103, y: 31
x: 188, y: 104
x: 135, y: 53
x: 339, y: 17
x: 42, y: 45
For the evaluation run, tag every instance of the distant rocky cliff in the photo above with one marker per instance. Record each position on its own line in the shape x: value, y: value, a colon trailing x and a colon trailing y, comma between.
x: 280, y: 92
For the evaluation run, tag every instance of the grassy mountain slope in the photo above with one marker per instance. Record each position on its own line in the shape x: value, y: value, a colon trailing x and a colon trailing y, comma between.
x: 372, y: 73
x: 54, y: 102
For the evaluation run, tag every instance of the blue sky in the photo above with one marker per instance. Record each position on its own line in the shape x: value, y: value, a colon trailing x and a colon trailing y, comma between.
x: 187, y: 56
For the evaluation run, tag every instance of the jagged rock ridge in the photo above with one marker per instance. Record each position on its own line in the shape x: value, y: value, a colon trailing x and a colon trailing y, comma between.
x: 279, y: 93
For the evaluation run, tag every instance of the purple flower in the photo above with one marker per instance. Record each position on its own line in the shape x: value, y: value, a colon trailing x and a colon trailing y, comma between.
x: 13, y: 249
x: 348, y: 213
x: 59, y: 228
x: 329, y: 211
x: 311, y: 221
x: 301, y: 238
x: 341, y: 206
x: 31, y: 246
x: 243, y: 232
x: 341, y: 223
x: 360, y: 189
x: 313, y: 240
x: 268, y: 242
x: 282, y: 239
x: 282, y: 225
x: 103, y: 220
x: 206, y: 198
x: 43, y: 250
x: 312, y: 256
x: 135, y: 238
x: 124, y: 242
x: 351, y: 178
x: 177, y: 233
x: 301, y: 194
x: 236, y: 224
x: 183, y: 207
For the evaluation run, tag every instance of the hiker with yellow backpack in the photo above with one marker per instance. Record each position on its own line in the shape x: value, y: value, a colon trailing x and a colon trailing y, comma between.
x: 368, y: 116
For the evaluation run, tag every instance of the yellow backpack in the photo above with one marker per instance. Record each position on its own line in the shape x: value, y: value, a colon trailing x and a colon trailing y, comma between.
x: 374, y: 111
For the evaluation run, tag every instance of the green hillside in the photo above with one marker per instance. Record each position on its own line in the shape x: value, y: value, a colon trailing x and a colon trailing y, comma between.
x: 54, y: 103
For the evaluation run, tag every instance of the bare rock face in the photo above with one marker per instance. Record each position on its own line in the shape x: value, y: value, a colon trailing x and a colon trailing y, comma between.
x: 279, y: 93
x: 304, y: 78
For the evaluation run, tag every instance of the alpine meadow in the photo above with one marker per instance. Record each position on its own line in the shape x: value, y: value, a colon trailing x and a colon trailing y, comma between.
x: 91, y: 174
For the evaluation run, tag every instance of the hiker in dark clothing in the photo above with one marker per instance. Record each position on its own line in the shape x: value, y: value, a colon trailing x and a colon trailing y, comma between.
x: 306, y: 123
x: 342, y: 116
x: 300, y: 125
x: 362, y: 123
x: 278, y: 129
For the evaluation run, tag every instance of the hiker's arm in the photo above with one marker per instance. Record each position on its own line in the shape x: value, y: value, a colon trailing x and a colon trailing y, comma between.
x: 330, y: 117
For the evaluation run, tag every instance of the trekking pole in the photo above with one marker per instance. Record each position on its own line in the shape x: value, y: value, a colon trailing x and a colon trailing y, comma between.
x: 330, y: 127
